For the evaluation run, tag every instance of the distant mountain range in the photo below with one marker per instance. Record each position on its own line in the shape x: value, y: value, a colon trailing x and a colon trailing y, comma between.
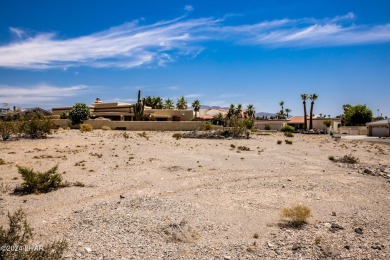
x: 259, y: 114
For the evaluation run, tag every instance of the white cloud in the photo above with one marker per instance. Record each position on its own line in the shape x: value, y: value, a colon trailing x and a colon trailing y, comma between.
x: 131, y: 45
x: 193, y: 95
x: 38, y: 94
x: 189, y: 8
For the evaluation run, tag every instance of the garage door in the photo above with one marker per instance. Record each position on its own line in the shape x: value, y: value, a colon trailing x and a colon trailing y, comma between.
x: 380, y: 131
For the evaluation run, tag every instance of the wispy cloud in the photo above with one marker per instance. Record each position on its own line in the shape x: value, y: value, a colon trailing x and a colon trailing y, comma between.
x: 193, y: 95
x: 126, y: 46
x: 38, y: 94
x: 189, y: 8
x: 132, y: 44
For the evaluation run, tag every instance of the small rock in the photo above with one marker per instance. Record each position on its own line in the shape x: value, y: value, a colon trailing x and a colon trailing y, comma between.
x: 335, y: 227
x: 283, y: 186
x: 347, y: 247
x: 295, y: 247
x: 226, y: 257
x: 359, y: 231
x: 88, y: 249
x: 270, y: 245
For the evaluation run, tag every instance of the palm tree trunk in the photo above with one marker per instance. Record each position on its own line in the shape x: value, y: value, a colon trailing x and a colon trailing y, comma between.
x: 305, y: 114
x: 311, y: 115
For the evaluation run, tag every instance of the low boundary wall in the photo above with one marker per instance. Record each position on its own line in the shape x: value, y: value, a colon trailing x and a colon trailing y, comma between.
x: 136, y: 125
x: 353, y: 130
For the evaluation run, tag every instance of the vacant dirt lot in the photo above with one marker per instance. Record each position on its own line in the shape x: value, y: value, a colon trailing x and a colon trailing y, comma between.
x: 152, y: 196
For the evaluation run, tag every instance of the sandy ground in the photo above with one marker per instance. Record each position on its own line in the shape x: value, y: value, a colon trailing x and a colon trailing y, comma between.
x: 162, y: 198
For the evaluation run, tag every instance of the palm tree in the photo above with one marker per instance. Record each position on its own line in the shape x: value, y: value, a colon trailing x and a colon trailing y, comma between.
x: 281, y: 103
x: 287, y: 111
x: 250, y: 111
x: 196, y: 106
x: 157, y: 103
x: 238, y: 110
x: 181, y: 103
x: 304, y: 97
x: 313, y: 98
x: 219, y: 119
x: 169, y: 104
x: 231, y: 111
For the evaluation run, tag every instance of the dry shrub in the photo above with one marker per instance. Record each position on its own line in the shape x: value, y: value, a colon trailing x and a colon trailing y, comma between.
x: 288, y: 134
x: 243, y: 148
x: 86, y: 128
x: 298, y: 214
x: 181, y: 232
x: 2, y: 162
x: 177, y: 136
x: 279, y: 142
x: 143, y: 134
x: 105, y: 128
x: 348, y: 159
x: 19, y: 234
x: 288, y: 141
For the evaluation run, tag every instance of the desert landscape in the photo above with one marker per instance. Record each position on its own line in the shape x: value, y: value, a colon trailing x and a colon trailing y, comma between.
x: 148, y: 195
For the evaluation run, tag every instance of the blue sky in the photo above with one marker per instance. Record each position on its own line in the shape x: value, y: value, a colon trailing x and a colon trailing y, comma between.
x: 56, y: 53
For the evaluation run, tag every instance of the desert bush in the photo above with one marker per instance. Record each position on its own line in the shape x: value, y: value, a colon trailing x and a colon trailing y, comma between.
x: 249, y: 123
x: 298, y: 214
x: 243, y: 148
x: 2, y: 162
x: 288, y: 134
x: 86, y: 128
x: 143, y: 134
x: 105, y: 128
x: 78, y: 113
x: 64, y: 115
x: 288, y: 141
x: 327, y: 123
x: 287, y: 128
x: 39, y: 182
x: 7, y: 129
x: 36, y: 128
x: 350, y: 159
x: 177, y: 136
x: 279, y: 142
x: 267, y: 127
x: 207, y: 126
x: 18, y: 235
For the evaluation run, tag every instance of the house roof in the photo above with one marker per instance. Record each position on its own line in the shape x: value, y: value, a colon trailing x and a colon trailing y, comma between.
x: 298, y: 120
x: 380, y: 122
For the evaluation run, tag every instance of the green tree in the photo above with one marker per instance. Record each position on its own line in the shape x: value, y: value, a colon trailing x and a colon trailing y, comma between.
x: 304, y: 97
x: 313, y: 98
x: 250, y: 111
x: 218, y: 119
x: 168, y: 104
x: 181, y: 103
x: 78, y: 113
x: 287, y: 111
x: 196, y: 107
x: 357, y: 115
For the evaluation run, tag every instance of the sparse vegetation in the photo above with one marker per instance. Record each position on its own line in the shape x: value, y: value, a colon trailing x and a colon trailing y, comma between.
x: 106, y: 128
x: 349, y: 159
x: 288, y: 141
x: 18, y: 235
x: 207, y: 126
x: 298, y: 214
x: 243, y: 148
x: 288, y: 134
x: 279, y: 142
x: 177, y: 136
x: 143, y: 134
x: 86, y: 128
x: 267, y: 127
x: 39, y: 182
x: 2, y: 162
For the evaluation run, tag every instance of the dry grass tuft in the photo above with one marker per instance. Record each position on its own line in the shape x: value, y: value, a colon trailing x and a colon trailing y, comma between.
x: 298, y: 214
x: 86, y: 128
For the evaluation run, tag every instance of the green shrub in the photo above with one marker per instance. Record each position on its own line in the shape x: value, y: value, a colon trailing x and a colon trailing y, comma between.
x: 78, y: 113
x: 36, y: 128
x: 64, y: 115
x: 297, y: 214
x: 288, y: 134
x: 177, y: 136
x: 327, y: 123
x: 267, y: 127
x: 287, y: 128
x: 86, y: 128
x: 39, y: 182
x: 288, y: 141
x: 207, y: 126
x: 18, y: 235
x: 249, y: 123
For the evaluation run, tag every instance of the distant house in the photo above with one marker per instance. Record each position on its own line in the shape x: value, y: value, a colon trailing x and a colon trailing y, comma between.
x: 379, y: 128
